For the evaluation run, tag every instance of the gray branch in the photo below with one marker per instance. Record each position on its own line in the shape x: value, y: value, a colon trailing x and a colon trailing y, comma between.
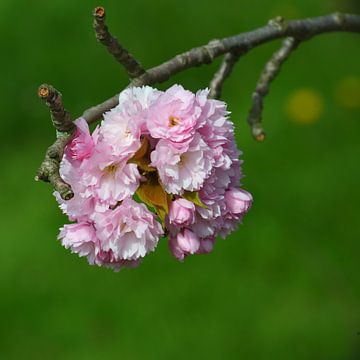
x: 278, y: 28
x: 132, y: 66
x: 269, y: 73
x: 225, y: 69
x: 49, y: 169
x: 234, y: 47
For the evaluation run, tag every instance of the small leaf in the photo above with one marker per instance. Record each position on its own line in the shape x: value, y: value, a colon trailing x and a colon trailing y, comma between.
x: 193, y: 196
x: 142, y: 150
x: 152, y: 194
x: 162, y: 214
x: 142, y: 157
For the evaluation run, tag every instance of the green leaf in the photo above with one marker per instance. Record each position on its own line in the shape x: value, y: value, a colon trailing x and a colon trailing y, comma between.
x: 142, y: 157
x: 193, y: 196
x: 152, y: 194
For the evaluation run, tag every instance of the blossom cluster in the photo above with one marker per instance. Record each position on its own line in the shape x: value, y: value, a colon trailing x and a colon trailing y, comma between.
x: 159, y: 164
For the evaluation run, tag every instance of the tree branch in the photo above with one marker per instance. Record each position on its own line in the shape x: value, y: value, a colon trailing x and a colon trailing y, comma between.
x: 131, y: 65
x: 226, y: 67
x: 269, y: 73
x: 299, y: 30
x: 278, y: 28
x: 49, y: 169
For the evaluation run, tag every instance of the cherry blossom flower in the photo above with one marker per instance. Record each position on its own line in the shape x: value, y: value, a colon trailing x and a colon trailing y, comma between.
x: 175, y: 152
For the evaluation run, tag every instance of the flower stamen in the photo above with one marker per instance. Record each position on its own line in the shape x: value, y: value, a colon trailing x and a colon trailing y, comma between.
x: 173, y: 121
x: 111, y: 169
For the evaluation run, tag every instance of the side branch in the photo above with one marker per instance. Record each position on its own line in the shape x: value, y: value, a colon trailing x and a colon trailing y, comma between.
x: 61, y: 119
x: 132, y: 66
x: 226, y: 67
x: 299, y: 29
x: 269, y: 73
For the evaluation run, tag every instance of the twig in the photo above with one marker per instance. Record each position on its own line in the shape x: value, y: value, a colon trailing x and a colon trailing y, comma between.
x: 49, y: 169
x: 225, y: 69
x: 269, y: 73
x: 299, y: 29
x: 131, y: 65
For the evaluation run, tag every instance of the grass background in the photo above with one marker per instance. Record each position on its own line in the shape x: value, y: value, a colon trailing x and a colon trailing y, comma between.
x: 285, y: 285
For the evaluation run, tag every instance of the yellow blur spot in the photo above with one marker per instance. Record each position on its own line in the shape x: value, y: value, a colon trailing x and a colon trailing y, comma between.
x: 347, y: 92
x: 305, y: 106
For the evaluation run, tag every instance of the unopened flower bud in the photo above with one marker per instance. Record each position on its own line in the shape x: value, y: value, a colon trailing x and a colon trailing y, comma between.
x: 185, y: 243
x: 182, y: 212
x: 238, y: 201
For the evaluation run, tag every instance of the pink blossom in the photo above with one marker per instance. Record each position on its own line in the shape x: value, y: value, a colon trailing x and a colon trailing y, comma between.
x: 238, y: 201
x: 185, y: 243
x: 191, y: 148
x: 174, y: 115
x: 107, y: 177
x: 134, y: 103
x: 82, y: 145
x: 108, y: 260
x: 121, y: 134
x: 206, y: 245
x: 182, y: 212
x: 130, y: 231
x: 181, y: 171
x: 80, y: 238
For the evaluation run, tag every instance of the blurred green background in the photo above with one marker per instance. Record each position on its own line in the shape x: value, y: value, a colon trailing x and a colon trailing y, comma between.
x: 285, y: 286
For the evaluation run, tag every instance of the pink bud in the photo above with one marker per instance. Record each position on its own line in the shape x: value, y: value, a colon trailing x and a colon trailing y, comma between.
x: 185, y: 243
x: 206, y: 245
x: 182, y: 212
x: 238, y: 201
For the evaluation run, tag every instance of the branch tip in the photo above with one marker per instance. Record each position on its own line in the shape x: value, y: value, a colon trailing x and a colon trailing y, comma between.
x: 60, y: 117
x: 99, y: 12
x: 261, y: 137
x: 44, y: 91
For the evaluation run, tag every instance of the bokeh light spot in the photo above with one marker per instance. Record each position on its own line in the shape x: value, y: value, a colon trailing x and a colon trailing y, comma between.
x: 347, y: 92
x: 304, y: 106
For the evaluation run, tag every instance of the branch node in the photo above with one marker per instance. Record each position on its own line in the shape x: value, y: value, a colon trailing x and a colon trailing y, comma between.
x: 339, y: 18
x: 278, y: 23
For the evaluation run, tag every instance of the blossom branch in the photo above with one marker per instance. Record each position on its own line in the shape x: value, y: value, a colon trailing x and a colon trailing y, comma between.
x: 61, y: 119
x: 234, y: 47
x: 132, y: 66
x: 225, y: 69
x: 303, y: 30
x: 269, y: 73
